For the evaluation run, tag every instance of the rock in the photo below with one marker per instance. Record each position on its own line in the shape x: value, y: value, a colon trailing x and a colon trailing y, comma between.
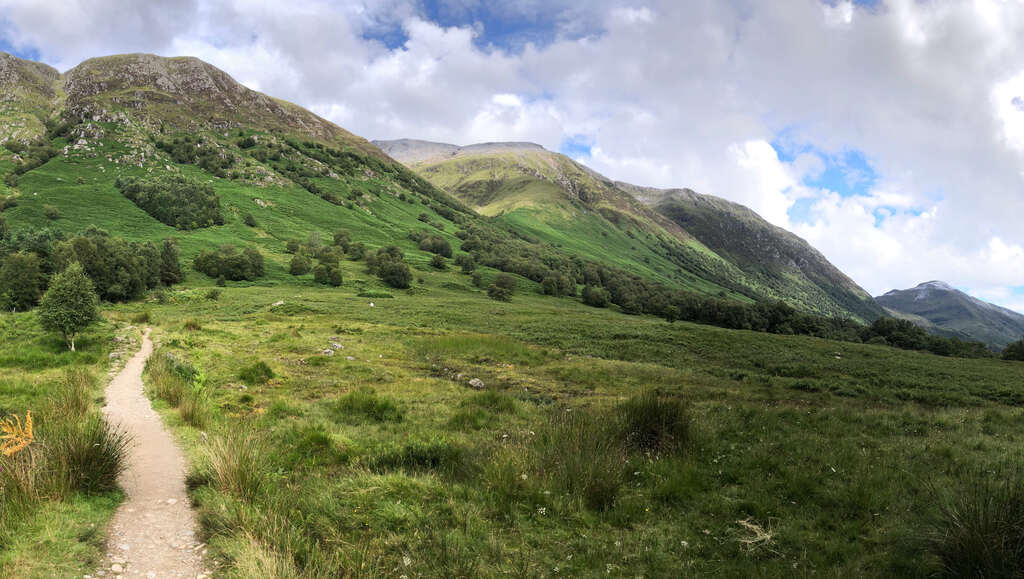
x: 337, y: 346
x: 172, y: 501
x: 115, y: 355
x: 277, y: 303
x: 477, y: 383
x: 117, y: 568
x: 328, y: 352
x: 350, y: 358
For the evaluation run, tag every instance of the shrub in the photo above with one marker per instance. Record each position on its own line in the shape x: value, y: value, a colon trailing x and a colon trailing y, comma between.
x: 478, y: 279
x: 1014, y: 351
x: 292, y: 246
x: 327, y: 275
x: 433, y: 454
x: 51, y: 212
x: 230, y: 263
x: 364, y: 403
x: 249, y: 220
x: 438, y: 262
x: 21, y: 281
x: 174, y: 200
x: 506, y: 281
x: 258, y: 373
x: 396, y: 274
x: 435, y: 244
x: 300, y: 265
x: 978, y: 531
x: 193, y: 325
x: 496, y: 292
x: 653, y: 423
x: 466, y: 262
x: 596, y: 296
x: 213, y: 294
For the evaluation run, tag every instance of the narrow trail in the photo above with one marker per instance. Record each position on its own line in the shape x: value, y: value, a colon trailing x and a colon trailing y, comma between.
x: 153, y: 533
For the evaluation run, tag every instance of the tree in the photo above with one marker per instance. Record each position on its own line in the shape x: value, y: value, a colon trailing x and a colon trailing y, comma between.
x: 70, y: 305
x: 396, y: 274
x: 20, y: 281
x: 438, y: 262
x: 466, y: 262
x: 1014, y: 351
x: 500, y: 293
x: 5, y: 231
x: 170, y: 264
x: 595, y: 296
x: 300, y: 265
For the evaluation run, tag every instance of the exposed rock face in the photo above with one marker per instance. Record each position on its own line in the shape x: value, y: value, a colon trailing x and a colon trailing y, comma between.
x: 28, y: 95
x: 199, y: 92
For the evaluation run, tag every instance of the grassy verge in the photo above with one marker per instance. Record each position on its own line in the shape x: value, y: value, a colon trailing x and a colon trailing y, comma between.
x: 58, y: 487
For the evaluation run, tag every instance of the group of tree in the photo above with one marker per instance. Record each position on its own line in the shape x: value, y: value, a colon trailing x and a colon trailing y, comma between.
x: 327, y: 270
x: 1014, y: 351
x: 230, y: 263
x: 388, y: 263
x: 120, y: 270
x: 174, y: 200
x: 432, y: 243
x: 195, y: 150
x: 30, y: 156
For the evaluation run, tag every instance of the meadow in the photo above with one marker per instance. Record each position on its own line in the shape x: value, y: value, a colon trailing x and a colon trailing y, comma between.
x: 795, y: 455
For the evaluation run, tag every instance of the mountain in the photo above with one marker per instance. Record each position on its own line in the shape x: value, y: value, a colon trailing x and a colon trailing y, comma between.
x: 948, y: 311
x: 774, y: 257
x: 697, y: 242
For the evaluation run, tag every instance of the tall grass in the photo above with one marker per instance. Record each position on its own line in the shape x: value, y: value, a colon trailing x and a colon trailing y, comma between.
x: 236, y: 463
x: 654, y: 424
x: 979, y: 528
x: 366, y: 404
x: 181, y: 386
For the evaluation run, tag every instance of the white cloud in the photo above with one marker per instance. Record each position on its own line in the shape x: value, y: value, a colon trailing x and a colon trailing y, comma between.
x: 667, y: 93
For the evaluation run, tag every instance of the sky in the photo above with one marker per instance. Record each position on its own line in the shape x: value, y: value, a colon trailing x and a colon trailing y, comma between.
x: 888, y: 133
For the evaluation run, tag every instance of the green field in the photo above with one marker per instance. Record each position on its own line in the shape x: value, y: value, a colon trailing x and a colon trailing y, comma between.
x: 837, y: 459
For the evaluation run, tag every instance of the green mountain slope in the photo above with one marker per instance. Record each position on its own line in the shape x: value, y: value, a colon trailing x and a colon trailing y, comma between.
x: 550, y: 196
x: 948, y: 311
x: 776, y: 258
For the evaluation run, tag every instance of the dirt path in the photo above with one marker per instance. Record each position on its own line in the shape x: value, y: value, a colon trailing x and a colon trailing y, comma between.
x: 153, y: 533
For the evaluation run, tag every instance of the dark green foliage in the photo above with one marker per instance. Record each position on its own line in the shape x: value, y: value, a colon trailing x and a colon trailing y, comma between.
x: 388, y: 264
x: 21, y: 281
x: 505, y: 281
x: 119, y: 270
x: 258, y: 373
x: 477, y: 279
x: 292, y: 246
x: 654, y: 424
x: 194, y: 150
x: 299, y: 265
x: 1014, y: 351
x: 465, y: 262
x: 979, y: 529
x: 70, y: 305
x: 430, y: 455
x: 230, y: 263
x: 246, y: 143
x: 342, y: 238
x: 249, y: 220
x: 558, y: 285
x: 435, y: 244
x: 34, y: 156
x: 497, y: 292
x: 170, y: 263
x: 356, y: 251
x: 213, y: 294
x: 905, y: 335
x: 438, y: 262
x: 327, y: 275
x: 365, y: 404
x: 174, y: 200
x: 5, y: 231
x: 51, y: 212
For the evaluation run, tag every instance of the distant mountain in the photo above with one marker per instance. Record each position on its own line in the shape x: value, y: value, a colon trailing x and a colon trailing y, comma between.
x: 694, y: 241
x: 951, y: 312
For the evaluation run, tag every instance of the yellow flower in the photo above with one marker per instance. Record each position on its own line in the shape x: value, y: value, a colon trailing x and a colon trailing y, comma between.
x: 15, y: 437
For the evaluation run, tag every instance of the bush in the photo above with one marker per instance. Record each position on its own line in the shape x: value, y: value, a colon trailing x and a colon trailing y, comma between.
x: 51, y: 212
x: 327, y: 275
x: 654, y: 424
x: 364, y: 403
x: 249, y: 220
x: 292, y: 246
x: 466, y: 262
x: 435, y: 244
x: 213, y: 294
x: 396, y: 274
x: 1014, y: 351
x: 174, y: 200
x: 496, y: 292
x: 300, y: 265
x: 597, y: 297
x: 477, y: 279
x: 258, y: 373
x: 438, y: 262
x: 230, y: 263
x: 978, y: 531
x: 193, y: 325
x: 86, y: 455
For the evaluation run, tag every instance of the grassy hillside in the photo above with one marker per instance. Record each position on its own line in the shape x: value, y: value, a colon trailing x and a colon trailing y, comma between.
x: 549, y: 196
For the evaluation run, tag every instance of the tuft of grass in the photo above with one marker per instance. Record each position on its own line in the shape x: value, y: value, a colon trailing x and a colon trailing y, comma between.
x: 72, y: 398
x: 236, y: 463
x: 979, y: 529
x: 84, y: 456
x: 433, y: 454
x: 366, y: 404
x: 193, y: 325
x: 258, y: 373
x: 142, y: 318
x: 168, y: 379
x: 654, y: 424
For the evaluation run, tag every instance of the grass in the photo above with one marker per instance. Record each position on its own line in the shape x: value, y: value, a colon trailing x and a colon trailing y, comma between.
x: 672, y: 430
x: 56, y: 493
